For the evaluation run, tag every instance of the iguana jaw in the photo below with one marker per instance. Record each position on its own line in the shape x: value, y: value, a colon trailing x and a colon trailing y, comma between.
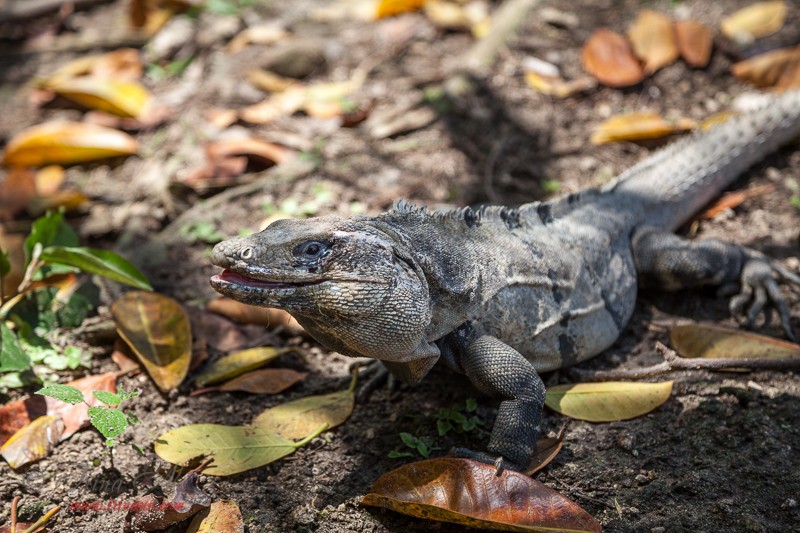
x: 231, y: 280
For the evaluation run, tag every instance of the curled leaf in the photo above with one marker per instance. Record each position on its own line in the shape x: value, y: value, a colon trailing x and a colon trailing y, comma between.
x: 653, y: 40
x: 778, y: 68
x: 608, y: 401
x: 608, y: 57
x: 237, y: 363
x: 67, y: 143
x: 120, y: 98
x: 729, y: 200
x: 754, y: 21
x: 715, y: 342
x: 470, y: 493
x: 694, y: 42
x: 638, y: 126
x: 157, y: 330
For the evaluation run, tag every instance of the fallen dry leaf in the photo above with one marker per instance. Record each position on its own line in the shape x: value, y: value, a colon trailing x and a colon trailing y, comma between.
x: 388, y: 8
x: 16, y: 190
x: 715, y: 342
x: 754, y: 21
x: 157, y: 330
x: 67, y: 143
x: 638, y: 126
x: 732, y: 199
x: 547, y: 449
x: 151, y: 513
x: 778, y: 68
x: 609, y: 401
x: 470, y: 493
x: 299, y: 418
x: 545, y: 78
x: 252, y: 314
x: 33, y: 442
x: 608, y: 57
x: 263, y: 33
x: 237, y: 363
x: 265, y: 381
x: 218, y: 332
x: 223, y: 516
x: 124, y: 64
x: 694, y: 42
x: 653, y: 40
x: 121, y: 98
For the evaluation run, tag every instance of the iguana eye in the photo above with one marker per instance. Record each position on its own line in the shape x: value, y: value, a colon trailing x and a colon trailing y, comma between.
x: 310, y: 250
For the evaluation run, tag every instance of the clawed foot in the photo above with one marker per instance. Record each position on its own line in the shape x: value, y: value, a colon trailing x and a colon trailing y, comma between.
x: 373, y: 375
x: 758, y: 287
x: 499, y: 462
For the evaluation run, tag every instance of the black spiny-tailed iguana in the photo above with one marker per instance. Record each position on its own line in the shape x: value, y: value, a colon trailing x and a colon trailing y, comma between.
x: 501, y: 294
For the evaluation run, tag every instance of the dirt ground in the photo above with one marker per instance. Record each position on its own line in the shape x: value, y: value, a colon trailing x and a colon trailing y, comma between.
x: 723, y: 454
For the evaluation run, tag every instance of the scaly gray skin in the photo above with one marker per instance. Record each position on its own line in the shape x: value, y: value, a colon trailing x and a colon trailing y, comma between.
x: 503, y: 294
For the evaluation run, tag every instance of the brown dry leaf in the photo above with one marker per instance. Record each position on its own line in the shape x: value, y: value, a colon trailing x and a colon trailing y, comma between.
x: 271, y: 82
x: 547, y: 449
x: 151, y: 514
x: 609, y: 401
x: 274, y: 107
x: 223, y: 516
x: 252, y: 314
x: 33, y: 442
x: 126, y: 99
x: 123, y: 357
x: 653, y: 40
x: 388, y: 8
x: 265, y: 381
x: 638, y: 126
x: 715, y: 342
x: 694, y: 42
x: 124, y: 64
x: 754, y: 21
x: 12, y: 245
x: 19, y: 413
x: 157, y: 330
x: 264, y: 33
x: 16, y: 190
x: 732, y: 199
x: 778, y: 68
x: 608, y: 57
x: 557, y: 86
x: 67, y: 143
x: 218, y: 332
x: 470, y: 493
x: 254, y: 148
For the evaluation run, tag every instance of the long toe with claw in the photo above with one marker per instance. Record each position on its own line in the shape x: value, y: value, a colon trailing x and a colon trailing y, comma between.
x: 758, y: 288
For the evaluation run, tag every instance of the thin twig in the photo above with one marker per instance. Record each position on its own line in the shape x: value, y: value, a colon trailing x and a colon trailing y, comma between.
x: 43, y: 520
x: 14, y: 504
x: 673, y: 362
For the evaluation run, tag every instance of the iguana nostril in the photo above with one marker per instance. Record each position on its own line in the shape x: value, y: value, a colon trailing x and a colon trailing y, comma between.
x: 247, y: 253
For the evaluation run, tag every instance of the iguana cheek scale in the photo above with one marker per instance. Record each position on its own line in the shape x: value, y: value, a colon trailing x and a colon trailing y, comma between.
x: 501, y: 294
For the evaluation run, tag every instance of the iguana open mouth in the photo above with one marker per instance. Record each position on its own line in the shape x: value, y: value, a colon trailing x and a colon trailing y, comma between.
x: 235, y: 278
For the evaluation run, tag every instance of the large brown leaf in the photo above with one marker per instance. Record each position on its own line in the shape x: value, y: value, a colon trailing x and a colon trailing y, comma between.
x: 653, y: 40
x: 778, y: 68
x: 608, y: 57
x: 33, y: 442
x: 157, y: 330
x: 694, y: 42
x: 470, y: 493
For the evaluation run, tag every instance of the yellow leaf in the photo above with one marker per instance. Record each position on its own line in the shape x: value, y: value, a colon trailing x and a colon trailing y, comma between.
x: 121, y: 98
x: 638, y: 126
x: 238, y: 363
x: 33, y: 442
x: 556, y: 86
x: 298, y: 419
x: 653, y: 40
x: 157, y: 330
x: 608, y: 401
x: 234, y: 449
x: 715, y: 342
x: 388, y: 8
x: 67, y: 143
x: 754, y: 21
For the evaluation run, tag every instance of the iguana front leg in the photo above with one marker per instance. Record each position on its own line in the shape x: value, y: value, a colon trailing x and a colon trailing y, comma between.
x: 668, y: 262
x: 498, y: 370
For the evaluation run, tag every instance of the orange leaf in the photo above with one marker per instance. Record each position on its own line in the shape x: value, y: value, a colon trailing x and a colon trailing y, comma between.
x: 546, y: 450
x: 33, y: 442
x: 638, y: 126
x: 470, y: 493
x: 121, y: 98
x: 49, y: 180
x: 608, y: 57
x: 252, y: 147
x: 265, y: 381
x: 778, y: 68
x: 734, y: 198
x: 157, y: 330
x: 67, y: 143
x: 388, y: 8
x: 694, y: 42
x: 124, y: 64
x: 653, y: 40
x: 16, y: 190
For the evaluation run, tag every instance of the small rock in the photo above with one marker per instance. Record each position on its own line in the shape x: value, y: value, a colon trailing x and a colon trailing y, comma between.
x: 790, y: 503
x: 560, y: 19
x: 642, y: 479
x: 172, y: 37
x: 297, y: 58
x: 215, y: 29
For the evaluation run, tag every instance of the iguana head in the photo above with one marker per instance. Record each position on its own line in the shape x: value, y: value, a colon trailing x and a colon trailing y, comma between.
x: 353, y: 286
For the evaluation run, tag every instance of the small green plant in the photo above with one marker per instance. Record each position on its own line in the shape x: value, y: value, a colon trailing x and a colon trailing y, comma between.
x: 108, y: 419
x: 795, y: 201
x: 421, y: 445
x: 456, y: 418
x: 172, y: 69
x: 201, y: 231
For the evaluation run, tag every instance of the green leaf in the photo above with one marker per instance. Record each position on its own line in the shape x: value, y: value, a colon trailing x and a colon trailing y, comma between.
x: 11, y: 380
x: 108, y: 398
x: 65, y: 393
x: 12, y: 357
x: 443, y: 427
x: 409, y: 439
x: 102, y: 262
x: 471, y: 404
x: 49, y: 230
x: 423, y: 449
x: 396, y: 454
x: 5, y: 266
x: 110, y: 422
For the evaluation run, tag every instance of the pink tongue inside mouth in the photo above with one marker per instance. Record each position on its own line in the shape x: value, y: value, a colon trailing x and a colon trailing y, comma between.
x: 239, y: 279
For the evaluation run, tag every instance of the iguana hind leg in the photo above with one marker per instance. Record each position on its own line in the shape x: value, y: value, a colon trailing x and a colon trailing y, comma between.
x: 498, y: 370
x: 666, y: 261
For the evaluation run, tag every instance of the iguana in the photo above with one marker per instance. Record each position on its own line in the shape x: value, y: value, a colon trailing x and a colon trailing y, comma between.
x: 502, y: 294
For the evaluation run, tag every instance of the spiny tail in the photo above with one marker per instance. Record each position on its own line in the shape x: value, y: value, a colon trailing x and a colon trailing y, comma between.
x: 681, y: 179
